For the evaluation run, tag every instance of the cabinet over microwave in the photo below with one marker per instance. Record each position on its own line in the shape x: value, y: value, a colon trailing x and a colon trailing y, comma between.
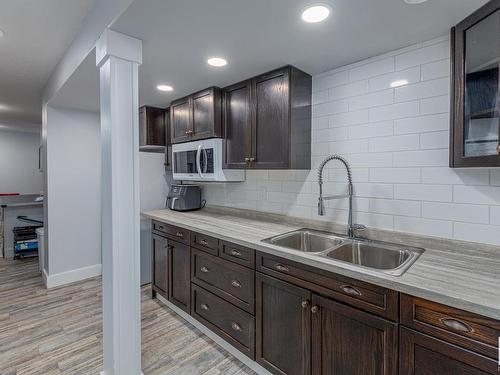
x: 202, y: 161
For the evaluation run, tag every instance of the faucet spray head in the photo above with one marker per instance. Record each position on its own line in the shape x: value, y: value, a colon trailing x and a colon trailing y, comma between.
x: 321, y: 207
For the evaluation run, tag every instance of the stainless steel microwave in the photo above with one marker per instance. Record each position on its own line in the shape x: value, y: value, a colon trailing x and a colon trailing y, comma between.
x: 202, y: 161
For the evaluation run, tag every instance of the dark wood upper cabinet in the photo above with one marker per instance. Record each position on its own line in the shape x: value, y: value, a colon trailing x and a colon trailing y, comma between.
x: 425, y: 355
x: 283, y: 328
x: 268, y: 121
x: 475, y: 125
x: 151, y: 129
x: 237, y: 125
x: 197, y: 116
x: 349, y: 341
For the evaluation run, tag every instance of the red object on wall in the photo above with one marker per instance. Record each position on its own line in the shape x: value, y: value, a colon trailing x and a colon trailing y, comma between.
x: 8, y: 194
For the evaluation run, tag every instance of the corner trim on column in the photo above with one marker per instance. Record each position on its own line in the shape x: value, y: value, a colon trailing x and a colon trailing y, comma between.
x: 119, y: 45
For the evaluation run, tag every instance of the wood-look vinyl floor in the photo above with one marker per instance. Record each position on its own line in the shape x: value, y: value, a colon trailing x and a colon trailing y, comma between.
x: 59, y: 331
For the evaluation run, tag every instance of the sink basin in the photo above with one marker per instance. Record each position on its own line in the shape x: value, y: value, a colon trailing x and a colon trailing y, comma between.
x: 385, y: 257
x: 307, y: 240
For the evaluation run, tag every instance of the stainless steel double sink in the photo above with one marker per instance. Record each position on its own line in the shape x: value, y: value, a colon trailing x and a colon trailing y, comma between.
x: 381, y: 256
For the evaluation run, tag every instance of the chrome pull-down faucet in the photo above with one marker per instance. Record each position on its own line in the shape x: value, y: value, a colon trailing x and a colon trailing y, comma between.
x: 351, y: 228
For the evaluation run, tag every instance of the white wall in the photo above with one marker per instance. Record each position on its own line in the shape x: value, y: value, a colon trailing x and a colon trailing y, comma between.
x: 19, y: 163
x: 397, y: 143
x: 73, y: 194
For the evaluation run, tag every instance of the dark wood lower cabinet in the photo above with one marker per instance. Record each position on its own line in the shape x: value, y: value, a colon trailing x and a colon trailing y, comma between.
x: 421, y: 354
x: 348, y: 341
x: 179, y: 261
x: 283, y: 326
x: 159, y: 265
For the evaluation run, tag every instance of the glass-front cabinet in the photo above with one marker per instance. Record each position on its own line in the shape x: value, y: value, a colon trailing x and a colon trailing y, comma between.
x: 475, y: 124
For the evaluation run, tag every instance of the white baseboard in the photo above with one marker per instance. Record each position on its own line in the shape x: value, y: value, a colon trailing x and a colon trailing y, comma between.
x: 218, y: 340
x: 58, y: 279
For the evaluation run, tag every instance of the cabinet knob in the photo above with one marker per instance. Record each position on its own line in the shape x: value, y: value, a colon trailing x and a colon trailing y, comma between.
x: 204, y: 307
x: 180, y: 234
x: 204, y: 242
x: 251, y: 159
x: 247, y: 160
x: 236, y: 326
x: 204, y: 269
x: 314, y: 309
x: 305, y: 304
x: 236, y: 284
x: 281, y: 268
x: 235, y: 253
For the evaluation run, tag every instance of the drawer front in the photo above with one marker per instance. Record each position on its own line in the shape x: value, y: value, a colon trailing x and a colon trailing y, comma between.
x: 171, y: 231
x: 231, y: 323
x: 230, y: 281
x: 238, y: 254
x: 468, y: 330
x: 377, y: 300
x: 206, y: 243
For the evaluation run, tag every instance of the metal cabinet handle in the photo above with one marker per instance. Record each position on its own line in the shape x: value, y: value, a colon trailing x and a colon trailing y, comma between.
x: 204, y: 269
x: 235, y: 326
x: 305, y: 304
x: 235, y: 253
x: 247, y: 160
x: 457, y: 325
x: 236, y: 284
x: 204, y: 242
x: 204, y: 307
x: 281, y: 268
x: 314, y: 309
x: 251, y: 159
x: 352, y: 291
x: 180, y: 234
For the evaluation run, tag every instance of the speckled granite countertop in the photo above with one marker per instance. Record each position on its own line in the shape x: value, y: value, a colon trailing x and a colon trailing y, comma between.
x: 464, y: 275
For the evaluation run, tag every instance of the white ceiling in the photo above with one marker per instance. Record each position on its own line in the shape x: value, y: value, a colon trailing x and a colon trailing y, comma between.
x: 259, y: 35
x: 37, y: 33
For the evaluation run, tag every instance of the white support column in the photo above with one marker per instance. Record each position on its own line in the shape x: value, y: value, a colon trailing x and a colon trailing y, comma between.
x: 118, y: 57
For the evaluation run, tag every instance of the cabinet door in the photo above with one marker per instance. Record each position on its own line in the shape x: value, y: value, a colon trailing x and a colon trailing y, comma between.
x: 180, y: 120
x: 424, y: 355
x: 206, y: 109
x: 159, y: 267
x: 348, y: 341
x: 283, y: 326
x: 179, y: 259
x: 271, y: 135
x: 476, y: 58
x: 237, y: 125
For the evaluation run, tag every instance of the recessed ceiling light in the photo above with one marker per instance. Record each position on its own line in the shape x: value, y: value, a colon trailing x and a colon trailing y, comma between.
x: 412, y: 2
x: 164, y: 88
x: 399, y: 82
x: 217, y: 61
x: 315, y: 13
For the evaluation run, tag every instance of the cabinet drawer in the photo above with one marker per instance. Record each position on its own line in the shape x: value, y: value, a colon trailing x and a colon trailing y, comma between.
x: 372, y: 298
x: 231, y: 323
x: 238, y: 254
x: 171, y: 231
x: 230, y: 281
x: 459, y: 327
x: 207, y: 243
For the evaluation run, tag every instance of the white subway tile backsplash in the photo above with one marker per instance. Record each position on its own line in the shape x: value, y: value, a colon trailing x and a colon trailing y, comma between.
x: 426, y: 89
x: 394, y: 111
x: 395, y: 143
x: 374, y: 99
x: 438, y: 228
x: 421, y: 192
x: 434, y: 140
x: 385, y: 81
x: 456, y: 212
x: 430, y: 106
x: 422, y: 124
x: 373, y: 69
x: 439, y: 51
x: 398, y: 152
x: 437, y: 69
x: 477, y: 233
x: 395, y: 175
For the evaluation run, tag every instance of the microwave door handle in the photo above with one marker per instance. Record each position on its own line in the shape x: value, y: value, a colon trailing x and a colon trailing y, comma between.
x: 198, y: 161
x: 205, y: 165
